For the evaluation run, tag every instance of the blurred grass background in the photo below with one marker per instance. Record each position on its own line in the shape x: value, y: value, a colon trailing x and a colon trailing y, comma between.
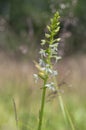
x: 16, y: 81
x: 22, y: 26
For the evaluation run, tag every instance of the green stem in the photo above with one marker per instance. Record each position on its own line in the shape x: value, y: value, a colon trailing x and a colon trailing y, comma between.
x: 15, y: 111
x: 42, y: 105
x: 64, y: 109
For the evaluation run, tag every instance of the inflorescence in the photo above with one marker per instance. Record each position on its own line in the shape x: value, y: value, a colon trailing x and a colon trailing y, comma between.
x: 49, y: 55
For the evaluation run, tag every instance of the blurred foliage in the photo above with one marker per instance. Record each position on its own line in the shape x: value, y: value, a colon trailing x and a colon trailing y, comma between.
x: 27, y: 19
x: 28, y: 107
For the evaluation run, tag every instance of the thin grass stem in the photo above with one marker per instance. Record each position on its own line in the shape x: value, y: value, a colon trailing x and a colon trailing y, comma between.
x: 15, y: 112
x: 63, y: 106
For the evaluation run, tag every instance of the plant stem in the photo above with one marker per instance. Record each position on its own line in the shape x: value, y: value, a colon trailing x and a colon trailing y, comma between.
x: 42, y: 105
x: 64, y: 109
x: 15, y: 111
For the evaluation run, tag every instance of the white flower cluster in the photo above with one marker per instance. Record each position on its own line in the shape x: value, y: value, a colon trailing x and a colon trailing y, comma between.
x: 47, y: 68
x: 44, y: 65
x: 50, y: 86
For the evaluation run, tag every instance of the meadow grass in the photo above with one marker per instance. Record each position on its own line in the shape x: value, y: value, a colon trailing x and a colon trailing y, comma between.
x: 16, y: 83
